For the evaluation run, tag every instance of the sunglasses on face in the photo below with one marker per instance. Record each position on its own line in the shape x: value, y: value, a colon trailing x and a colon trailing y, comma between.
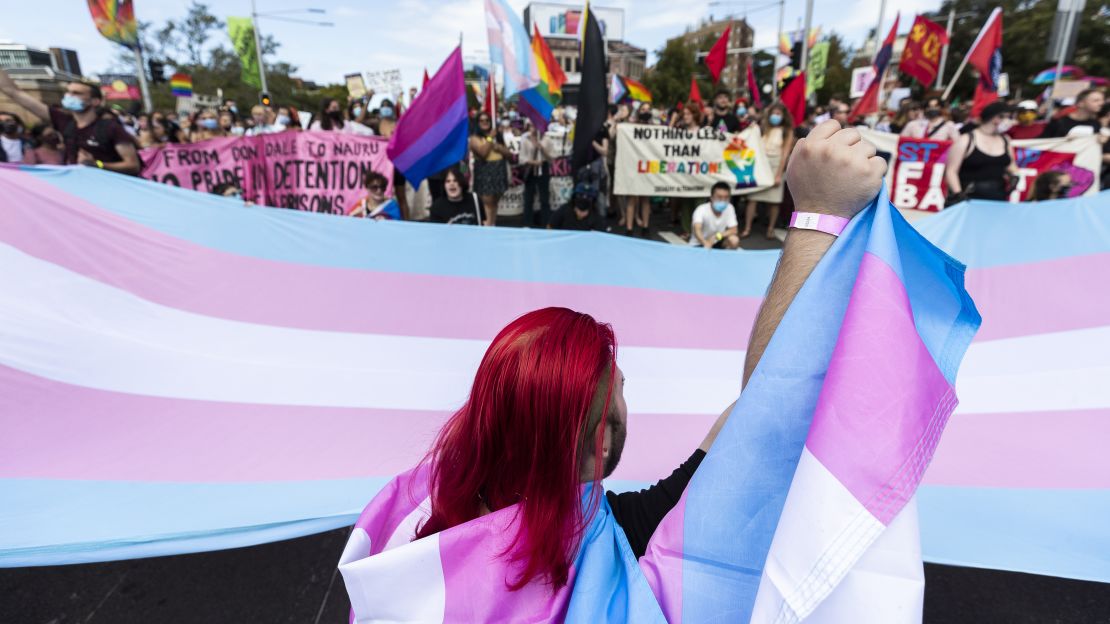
x: 376, y: 187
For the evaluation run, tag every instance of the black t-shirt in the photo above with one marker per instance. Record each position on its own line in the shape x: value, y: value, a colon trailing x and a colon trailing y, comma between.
x: 1062, y: 126
x: 639, y: 513
x: 99, y: 138
x: 464, y: 211
x: 565, y: 219
x: 728, y: 122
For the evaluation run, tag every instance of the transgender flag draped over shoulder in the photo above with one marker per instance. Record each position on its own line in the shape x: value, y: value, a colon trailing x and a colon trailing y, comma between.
x: 802, y: 510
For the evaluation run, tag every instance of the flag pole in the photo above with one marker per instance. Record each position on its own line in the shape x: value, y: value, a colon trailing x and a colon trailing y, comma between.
x: 774, y: 64
x: 141, y: 71
x: 258, y: 47
x: 1062, y: 51
x: 944, y: 50
x: 967, y: 56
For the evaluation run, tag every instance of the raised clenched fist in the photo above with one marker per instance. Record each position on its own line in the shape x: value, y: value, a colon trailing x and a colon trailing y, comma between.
x: 834, y: 171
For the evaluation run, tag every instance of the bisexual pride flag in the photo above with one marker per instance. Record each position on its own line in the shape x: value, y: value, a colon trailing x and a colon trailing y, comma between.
x: 804, y: 506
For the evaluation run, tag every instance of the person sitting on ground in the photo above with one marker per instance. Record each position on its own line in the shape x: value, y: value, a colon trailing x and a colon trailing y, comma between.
x: 1083, y: 121
x: 715, y: 224
x: 91, y: 135
x: 457, y: 206
x: 1027, y: 126
x: 13, y: 142
x: 1051, y: 185
x: 375, y: 205
x: 580, y: 213
x: 45, y: 148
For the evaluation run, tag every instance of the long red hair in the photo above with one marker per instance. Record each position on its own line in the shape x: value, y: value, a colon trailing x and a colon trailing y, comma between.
x: 534, y: 412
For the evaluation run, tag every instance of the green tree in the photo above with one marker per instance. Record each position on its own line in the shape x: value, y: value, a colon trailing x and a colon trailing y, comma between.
x: 1027, y: 26
x: 669, y: 79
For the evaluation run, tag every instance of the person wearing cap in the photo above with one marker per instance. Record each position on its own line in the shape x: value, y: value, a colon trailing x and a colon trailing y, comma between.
x: 714, y: 222
x: 580, y: 213
x: 1027, y: 126
x: 981, y: 163
x: 1083, y: 121
x: 933, y: 124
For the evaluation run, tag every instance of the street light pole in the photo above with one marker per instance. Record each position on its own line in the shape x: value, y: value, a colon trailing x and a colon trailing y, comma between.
x: 258, y: 47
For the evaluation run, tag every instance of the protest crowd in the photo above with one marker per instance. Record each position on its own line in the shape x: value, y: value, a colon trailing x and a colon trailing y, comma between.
x: 518, y: 163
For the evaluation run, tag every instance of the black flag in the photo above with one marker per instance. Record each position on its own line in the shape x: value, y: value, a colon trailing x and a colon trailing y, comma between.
x: 592, y: 98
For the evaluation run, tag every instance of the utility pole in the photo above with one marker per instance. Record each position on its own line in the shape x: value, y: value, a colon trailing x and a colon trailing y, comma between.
x: 140, y: 66
x: 805, y: 35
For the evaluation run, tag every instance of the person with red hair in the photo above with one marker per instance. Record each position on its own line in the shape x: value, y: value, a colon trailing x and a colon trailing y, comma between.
x: 546, y: 412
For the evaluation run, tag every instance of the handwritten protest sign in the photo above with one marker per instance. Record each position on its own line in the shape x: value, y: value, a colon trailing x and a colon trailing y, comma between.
x: 313, y: 171
x: 387, y: 81
x: 675, y: 162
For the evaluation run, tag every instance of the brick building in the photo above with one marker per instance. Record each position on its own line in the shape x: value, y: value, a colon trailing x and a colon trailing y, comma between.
x: 705, y: 34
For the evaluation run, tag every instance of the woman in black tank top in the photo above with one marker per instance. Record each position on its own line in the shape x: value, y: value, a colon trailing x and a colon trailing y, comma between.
x: 979, y: 161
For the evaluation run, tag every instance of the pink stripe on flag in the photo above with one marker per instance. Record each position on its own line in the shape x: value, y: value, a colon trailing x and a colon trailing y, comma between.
x: 873, y: 431
x: 179, y: 274
x: 1058, y: 450
x: 662, y: 562
x: 54, y: 430
x: 475, y: 574
x: 1040, y: 297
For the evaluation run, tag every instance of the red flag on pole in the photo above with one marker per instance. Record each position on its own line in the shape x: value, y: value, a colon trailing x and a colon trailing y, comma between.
x: 869, y: 103
x: 490, y: 105
x: 426, y: 78
x: 986, y: 57
x: 718, y: 56
x: 753, y: 86
x: 794, y: 97
x: 695, y: 93
x: 921, y: 56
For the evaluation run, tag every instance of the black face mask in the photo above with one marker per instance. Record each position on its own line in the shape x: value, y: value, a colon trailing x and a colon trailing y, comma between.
x: 335, y: 115
x: 932, y: 113
x: 643, y: 117
x: 9, y: 127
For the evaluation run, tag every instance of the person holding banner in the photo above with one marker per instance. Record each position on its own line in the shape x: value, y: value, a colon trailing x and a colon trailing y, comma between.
x: 375, y: 205
x: 981, y: 163
x: 777, y: 128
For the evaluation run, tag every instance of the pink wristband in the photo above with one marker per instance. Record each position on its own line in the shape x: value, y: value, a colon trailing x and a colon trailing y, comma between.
x: 828, y: 224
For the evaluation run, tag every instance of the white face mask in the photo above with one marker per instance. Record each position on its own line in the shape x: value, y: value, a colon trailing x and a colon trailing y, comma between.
x: 1005, y: 125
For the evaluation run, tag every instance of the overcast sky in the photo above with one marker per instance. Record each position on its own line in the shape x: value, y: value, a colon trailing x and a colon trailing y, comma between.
x: 413, y: 34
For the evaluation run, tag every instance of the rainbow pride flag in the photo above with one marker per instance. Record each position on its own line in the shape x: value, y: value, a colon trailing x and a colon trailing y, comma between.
x: 636, y: 91
x: 181, y: 85
x: 182, y: 373
x: 431, y: 135
x: 115, y: 19
x: 538, y: 102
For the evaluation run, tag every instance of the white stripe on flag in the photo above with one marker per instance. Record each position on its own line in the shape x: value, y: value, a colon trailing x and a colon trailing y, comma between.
x: 401, y: 585
x: 832, y: 561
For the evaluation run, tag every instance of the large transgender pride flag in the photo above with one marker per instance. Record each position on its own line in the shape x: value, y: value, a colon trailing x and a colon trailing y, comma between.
x: 803, y: 506
x: 180, y: 373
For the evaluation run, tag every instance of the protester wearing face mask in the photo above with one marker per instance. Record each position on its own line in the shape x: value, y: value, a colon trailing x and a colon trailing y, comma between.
x: 261, y: 115
x: 12, y: 142
x: 742, y: 112
x: 981, y: 162
x: 580, y: 213
x: 206, y: 126
x: 1027, y: 126
x: 330, y: 119
x: 715, y: 221
x: 778, y: 140
x: 387, y: 122
x: 932, y: 124
x: 45, y: 147
x: 229, y: 123
x: 91, y: 135
x: 287, y: 118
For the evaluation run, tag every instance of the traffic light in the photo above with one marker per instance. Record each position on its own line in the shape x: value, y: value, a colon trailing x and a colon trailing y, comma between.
x: 264, y: 99
x: 157, y: 71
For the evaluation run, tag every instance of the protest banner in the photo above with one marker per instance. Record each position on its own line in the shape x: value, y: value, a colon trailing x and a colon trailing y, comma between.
x: 312, y: 171
x: 918, y: 174
x: 675, y: 162
x: 1080, y: 157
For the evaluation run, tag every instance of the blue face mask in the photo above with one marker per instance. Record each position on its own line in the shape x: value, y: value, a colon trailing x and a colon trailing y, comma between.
x: 741, y: 111
x: 387, y: 112
x: 73, y: 103
x: 720, y: 206
x: 775, y: 119
x: 283, y: 120
x: 208, y: 124
x: 357, y: 111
